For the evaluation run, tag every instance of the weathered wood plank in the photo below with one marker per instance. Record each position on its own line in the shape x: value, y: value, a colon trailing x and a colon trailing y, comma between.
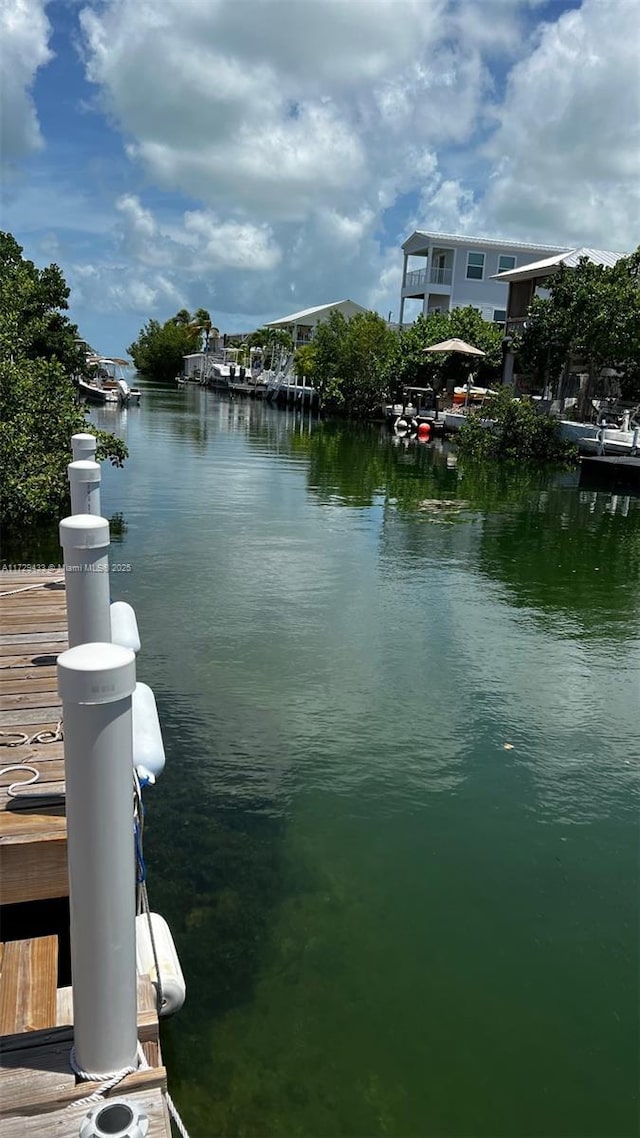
x: 33, y: 638
x: 27, y: 661
x: 47, y: 716
x: 28, y: 985
x: 147, y: 1013
x: 29, y: 699
x: 59, y: 1123
x: 31, y: 752
x: 28, y: 679
x: 35, y: 869
x: 36, y: 651
x: 17, y: 827
x: 24, y: 1092
x: 51, y: 770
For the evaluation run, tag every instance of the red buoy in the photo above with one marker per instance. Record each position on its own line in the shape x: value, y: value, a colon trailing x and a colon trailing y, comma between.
x: 424, y: 432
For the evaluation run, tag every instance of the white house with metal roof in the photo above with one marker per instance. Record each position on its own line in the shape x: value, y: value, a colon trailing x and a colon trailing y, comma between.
x: 525, y: 282
x: 301, y: 325
x: 445, y: 270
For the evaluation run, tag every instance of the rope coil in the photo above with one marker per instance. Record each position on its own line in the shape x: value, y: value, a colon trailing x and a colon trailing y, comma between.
x: 22, y: 739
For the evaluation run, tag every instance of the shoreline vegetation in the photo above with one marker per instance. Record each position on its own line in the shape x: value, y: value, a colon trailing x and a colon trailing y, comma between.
x: 39, y: 356
x: 356, y: 366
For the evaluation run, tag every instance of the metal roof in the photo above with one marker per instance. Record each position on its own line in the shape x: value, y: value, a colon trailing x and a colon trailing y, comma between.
x: 551, y: 264
x: 295, y: 317
x: 489, y: 242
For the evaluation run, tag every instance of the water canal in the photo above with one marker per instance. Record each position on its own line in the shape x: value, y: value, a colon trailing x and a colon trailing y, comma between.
x: 396, y: 838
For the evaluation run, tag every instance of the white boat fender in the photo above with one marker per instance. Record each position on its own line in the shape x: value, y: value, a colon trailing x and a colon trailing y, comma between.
x: 148, y: 747
x: 124, y: 626
x: 172, y: 982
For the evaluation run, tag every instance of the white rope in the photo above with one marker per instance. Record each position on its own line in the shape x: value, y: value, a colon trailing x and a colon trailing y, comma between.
x: 173, y: 1111
x: 27, y: 588
x: 14, y: 789
x: 21, y: 739
x: 109, y: 1079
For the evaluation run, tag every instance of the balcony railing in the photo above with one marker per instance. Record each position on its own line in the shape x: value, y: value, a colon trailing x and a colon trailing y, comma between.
x: 440, y: 276
x: 416, y: 278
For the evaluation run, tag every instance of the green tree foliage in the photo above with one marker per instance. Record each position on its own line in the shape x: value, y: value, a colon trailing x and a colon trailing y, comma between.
x: 419, y: 369
x: 38, y: 409
x: 517, y: 432
x: 592, y: 312
x: 353, y: 361
x: 275, y: 342
x: 304, y: 362
x: 202, y: 321
x: 158, y: 351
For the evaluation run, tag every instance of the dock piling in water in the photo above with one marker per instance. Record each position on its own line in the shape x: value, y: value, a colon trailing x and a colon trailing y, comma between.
x: 85, y: 541
x: 84, y: 485
x: 96, y: 684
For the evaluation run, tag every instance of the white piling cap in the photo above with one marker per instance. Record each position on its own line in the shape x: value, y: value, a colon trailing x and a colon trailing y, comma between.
x: 83, y: 470
x: 96, y: 673
x: 84, y: 531
x: 83, y: 445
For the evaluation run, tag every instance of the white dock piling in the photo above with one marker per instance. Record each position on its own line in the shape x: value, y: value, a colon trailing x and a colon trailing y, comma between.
x: 83, y: 446
x: 96, y: 682
x: 85, y: 541
x: 84, y: 484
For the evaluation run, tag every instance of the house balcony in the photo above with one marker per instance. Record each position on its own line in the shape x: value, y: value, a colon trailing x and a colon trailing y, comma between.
x: 418, y: 281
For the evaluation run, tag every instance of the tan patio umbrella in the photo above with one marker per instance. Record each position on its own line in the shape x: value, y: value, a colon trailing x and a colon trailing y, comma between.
x: 456, y: 345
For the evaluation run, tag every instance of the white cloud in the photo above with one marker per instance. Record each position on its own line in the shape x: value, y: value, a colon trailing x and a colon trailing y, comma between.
x: 566, y: 153
x: 24, y: 39
x: 305, y: 140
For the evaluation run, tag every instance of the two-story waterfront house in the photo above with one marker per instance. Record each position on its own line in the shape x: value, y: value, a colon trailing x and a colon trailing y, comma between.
x: 444, y: 271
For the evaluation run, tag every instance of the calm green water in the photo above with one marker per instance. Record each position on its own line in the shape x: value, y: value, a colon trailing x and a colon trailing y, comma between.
x: 396, y: 838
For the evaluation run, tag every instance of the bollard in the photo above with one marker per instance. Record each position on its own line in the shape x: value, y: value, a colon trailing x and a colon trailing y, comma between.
x: 85, y: 541
x: 83, y: 446
x: 96, y: 683
x: 84, y: 483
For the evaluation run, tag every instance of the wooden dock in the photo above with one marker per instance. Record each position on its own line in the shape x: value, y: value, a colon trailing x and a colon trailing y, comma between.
x: 38, y: 1089
x: 33, y: 832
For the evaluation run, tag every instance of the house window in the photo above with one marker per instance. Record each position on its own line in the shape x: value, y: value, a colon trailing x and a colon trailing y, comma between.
x: 475, y: 266
x: 506, y: 262
x: 499, y: 315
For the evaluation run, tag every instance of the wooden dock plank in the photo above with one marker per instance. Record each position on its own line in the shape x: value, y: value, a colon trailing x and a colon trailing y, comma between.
x: 34, y: 867
x: 67, y: 1121
x: 27, y: 699
x: 48, y: 717
x: 28, y: 984
x: 49, y: 770
x: 32, y: 675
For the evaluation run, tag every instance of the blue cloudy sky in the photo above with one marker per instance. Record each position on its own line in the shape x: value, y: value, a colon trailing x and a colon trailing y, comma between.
x: 261, y: 156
